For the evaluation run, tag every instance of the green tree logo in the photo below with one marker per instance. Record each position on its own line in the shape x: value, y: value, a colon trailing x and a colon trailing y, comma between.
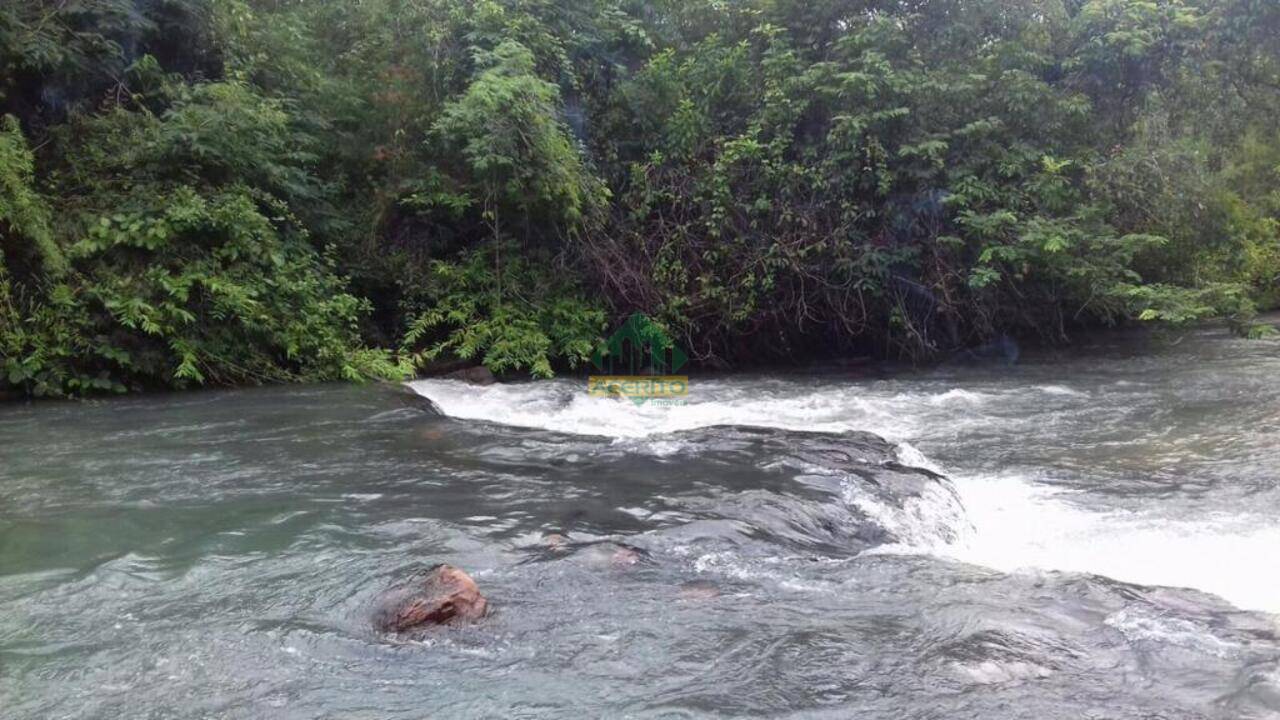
x: 639, y: 347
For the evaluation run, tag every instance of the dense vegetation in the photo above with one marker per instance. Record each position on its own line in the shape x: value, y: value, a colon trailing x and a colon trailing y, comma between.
x: 230, y: 191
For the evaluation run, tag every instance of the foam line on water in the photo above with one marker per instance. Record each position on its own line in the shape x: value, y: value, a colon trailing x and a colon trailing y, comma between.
x: 564, y: 406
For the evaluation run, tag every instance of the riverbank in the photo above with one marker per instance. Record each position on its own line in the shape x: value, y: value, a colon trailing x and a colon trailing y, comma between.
x: 1003, y: 353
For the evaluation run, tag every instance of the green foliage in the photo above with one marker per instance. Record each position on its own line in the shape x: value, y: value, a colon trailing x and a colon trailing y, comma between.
x: 821, y: 175
x: 188, y: 265
x: 230, y: 191
x: 546, y: 322
x: 518, y: 153
x: 206, y: 289
x: 46, y: 346
x: 59, y: 56
x: 24, y: 216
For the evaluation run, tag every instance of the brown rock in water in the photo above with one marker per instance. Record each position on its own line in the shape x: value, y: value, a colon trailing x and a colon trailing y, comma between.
x: 446, y: 596
x: 474, y: 375
x: 624, y: 557
x: 611, y: 556
x: 699, y: 590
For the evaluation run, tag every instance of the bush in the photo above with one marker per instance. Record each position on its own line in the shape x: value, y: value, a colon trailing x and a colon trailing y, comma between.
x: 523, y: 316
x: 189, y: 267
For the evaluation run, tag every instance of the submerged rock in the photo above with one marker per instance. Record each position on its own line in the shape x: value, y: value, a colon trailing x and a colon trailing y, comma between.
x: 699, y: 590
x: 1003, y: 350
x: 475, y: 375
x: 733, y: 488
x: 608, y: 555
x: 555, y: 542
x: 414, y: 400
x: 446, y: 596
x: 836, y: 493
x: 624, y: 557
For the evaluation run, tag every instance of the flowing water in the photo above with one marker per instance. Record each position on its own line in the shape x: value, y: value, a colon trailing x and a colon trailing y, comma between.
x: 1101, y: 542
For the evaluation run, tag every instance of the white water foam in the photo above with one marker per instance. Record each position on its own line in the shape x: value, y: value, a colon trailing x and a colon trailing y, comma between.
x: 1013, y: 522
x: 564, y: 406
x: 1021, y: 525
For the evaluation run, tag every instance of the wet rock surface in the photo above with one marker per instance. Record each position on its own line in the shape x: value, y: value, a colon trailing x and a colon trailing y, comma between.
x: 474, y: 375
x: 836, y: 493
x: 445, y: 596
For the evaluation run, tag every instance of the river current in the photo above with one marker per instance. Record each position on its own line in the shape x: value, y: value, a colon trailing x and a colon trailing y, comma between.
x: 1092, y: 534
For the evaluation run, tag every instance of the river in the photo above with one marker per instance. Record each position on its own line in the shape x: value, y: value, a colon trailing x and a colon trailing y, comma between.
x: 1094, y: 534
